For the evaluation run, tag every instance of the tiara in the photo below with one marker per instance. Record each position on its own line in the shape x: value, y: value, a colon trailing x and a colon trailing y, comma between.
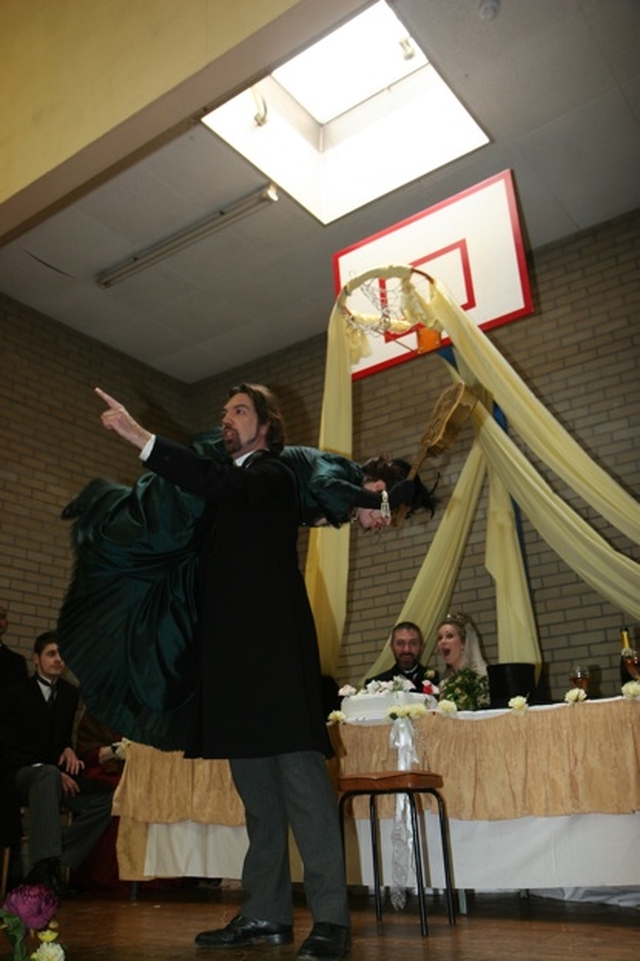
x: 456, y: 617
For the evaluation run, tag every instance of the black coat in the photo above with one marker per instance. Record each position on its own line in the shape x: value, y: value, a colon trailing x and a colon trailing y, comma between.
x: 13, y: 667
x: 260, y: 688
x: 30, y: 734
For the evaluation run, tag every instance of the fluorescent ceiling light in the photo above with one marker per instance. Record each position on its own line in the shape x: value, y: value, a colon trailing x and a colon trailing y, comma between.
x: 184, y: 238
x: 357, y: 115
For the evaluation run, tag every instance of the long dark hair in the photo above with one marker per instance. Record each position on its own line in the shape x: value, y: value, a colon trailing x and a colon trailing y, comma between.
x: 268, y: 411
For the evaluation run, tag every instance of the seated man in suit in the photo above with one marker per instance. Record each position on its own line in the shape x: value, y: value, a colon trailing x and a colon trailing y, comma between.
x: 13, y: 666
x: 40, y: 770
x: 406, y: 643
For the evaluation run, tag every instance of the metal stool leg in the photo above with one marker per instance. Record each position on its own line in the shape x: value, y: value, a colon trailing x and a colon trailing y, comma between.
x: 341, y: 804
x: 446, y: 855
x: 417, y: 856
x: 417, y: 848
x: 375, y: 856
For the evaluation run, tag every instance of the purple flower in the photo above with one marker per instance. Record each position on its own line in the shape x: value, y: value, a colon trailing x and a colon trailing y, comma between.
x: 34, y: 904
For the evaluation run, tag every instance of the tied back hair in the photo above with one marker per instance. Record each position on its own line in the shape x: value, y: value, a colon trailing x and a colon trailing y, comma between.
x: 392, y: 470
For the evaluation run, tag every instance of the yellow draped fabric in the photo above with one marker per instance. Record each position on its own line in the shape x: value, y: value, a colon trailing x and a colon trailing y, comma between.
x: 510, y: 474
x: 536, y: 425
x: 327, y: 566
x: 428, y: 599
x: 606, y: 570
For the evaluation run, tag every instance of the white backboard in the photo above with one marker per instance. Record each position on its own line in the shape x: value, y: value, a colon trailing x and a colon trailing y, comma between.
x: 471, y: 242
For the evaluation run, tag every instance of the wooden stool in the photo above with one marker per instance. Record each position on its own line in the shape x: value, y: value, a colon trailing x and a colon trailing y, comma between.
x: 409, y: 783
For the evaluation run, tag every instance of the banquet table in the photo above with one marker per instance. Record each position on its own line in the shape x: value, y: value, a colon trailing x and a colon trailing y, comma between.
x: 546, y: 799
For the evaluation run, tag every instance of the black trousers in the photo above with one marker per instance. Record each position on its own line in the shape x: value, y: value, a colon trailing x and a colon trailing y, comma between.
x: 40, y: 789
x: 291, y: 790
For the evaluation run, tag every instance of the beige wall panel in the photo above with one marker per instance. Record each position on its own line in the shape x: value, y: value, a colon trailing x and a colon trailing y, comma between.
x: 93, y: 81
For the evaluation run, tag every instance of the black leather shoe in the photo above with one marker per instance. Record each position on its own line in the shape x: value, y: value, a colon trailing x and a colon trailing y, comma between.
x: 243, y: 930
x: 327, y: 942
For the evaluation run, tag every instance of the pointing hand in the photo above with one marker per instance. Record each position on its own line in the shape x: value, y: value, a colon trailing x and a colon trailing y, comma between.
x: 118, y: 418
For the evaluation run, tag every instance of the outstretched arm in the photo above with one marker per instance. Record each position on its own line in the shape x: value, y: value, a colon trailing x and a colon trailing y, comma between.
x: 118, y: 418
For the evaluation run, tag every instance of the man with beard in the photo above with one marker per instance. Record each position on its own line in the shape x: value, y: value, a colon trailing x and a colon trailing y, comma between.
x: 406, y: 643
x: 251, y: 598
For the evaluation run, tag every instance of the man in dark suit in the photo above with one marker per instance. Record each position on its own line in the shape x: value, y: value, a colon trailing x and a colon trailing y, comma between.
x: 13, y: 667
x: 254, y: 609
x: 406, y: 643
x: 40, y: 770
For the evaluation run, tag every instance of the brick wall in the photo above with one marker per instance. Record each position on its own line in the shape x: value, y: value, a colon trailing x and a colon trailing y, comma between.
x: 52, y: 444
x: 579, y: 352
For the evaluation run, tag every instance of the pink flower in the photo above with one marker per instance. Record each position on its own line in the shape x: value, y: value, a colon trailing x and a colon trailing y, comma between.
x: 34, y: 904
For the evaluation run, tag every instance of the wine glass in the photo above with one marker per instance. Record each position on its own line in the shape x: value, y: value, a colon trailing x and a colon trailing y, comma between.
x: 579, y: 677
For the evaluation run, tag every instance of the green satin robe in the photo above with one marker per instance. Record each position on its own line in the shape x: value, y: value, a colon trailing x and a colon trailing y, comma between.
x: 127, y: 623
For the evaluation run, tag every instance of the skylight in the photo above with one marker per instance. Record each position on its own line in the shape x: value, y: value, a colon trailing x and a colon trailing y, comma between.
x: 367, y: 54
x: 353, y: 117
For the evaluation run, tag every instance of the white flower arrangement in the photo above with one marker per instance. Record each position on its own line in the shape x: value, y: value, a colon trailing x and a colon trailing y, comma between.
x: 337, y: 717
x: 411, y: 711
x: 519, y: 704
x: 631, y: 690
x: 396, y: 685
x: 575, y: 695
x: 447, y: 707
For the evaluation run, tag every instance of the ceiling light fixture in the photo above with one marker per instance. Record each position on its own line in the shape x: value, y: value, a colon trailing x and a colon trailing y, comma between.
x: 185, y: 238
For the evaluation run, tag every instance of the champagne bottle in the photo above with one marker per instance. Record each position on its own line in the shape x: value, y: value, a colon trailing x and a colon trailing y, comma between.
x: 628, y: 656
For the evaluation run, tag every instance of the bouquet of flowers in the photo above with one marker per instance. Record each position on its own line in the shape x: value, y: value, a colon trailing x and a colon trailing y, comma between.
x: 467, y: 689
x: 27, y: 909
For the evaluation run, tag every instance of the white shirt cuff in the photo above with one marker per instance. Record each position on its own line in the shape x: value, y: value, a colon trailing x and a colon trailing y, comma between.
x: 148, y: 447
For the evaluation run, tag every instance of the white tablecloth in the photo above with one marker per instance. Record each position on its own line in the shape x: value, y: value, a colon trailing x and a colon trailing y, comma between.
x: 573, y: 853
x: 547, y: 801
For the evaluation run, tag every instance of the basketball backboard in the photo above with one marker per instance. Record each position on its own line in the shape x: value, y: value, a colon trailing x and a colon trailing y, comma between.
x: 471, y: 242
